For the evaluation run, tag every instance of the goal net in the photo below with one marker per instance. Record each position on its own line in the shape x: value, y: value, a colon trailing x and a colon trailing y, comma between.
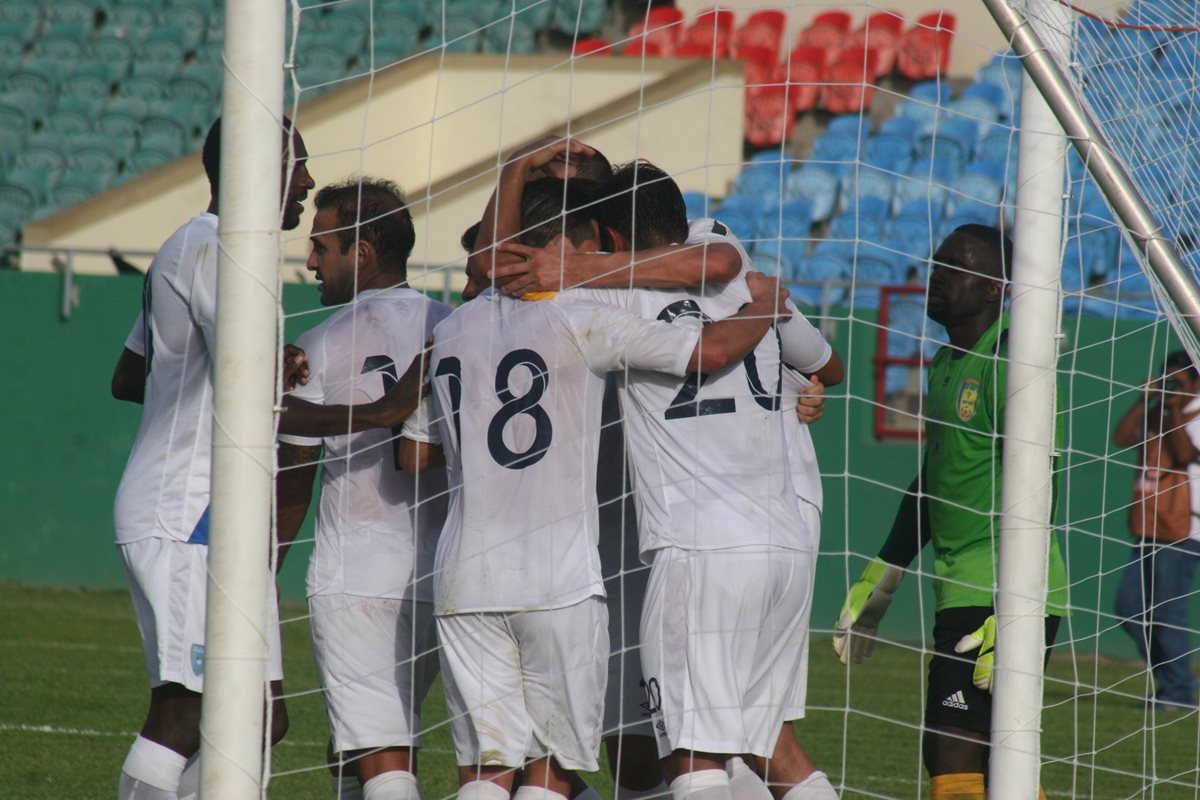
x: 840, y: 144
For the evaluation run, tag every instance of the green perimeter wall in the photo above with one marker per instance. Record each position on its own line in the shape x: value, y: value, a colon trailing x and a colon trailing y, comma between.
x: 68, y: 441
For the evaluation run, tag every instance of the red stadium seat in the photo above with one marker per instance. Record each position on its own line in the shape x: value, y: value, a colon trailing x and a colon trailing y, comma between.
x: 662, y: 26
x: 802, y: 73
x: 827, y: 31
x: 720, y: 18
x: 760, y: 64
x: 925, y: 49
x: 712, y: 39
x: 880, y: 32
x: 764, y: 29
x: 770, y: 118
x: 849, y: 82
x: 643, y: 47
x: 592, y: 46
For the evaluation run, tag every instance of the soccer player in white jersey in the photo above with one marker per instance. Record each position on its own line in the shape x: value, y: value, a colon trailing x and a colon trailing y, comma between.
x: 713, y: 448
x: 369, y: 579
x: 161, y: 509
x: 516, y: 394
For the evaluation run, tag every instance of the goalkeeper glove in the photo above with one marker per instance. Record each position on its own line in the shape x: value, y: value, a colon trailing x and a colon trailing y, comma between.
x: 983, y: 640
x: 868, y: 600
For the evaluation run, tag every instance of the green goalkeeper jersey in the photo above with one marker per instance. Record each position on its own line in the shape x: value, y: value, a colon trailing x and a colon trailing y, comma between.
x: 965, y: 419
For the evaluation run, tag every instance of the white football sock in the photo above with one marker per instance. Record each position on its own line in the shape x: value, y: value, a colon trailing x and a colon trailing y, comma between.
x: 347, y: 787
x: 744, y: 782
x: 662, y: 790
x: 394, y: 785
x: 151, y: 772
x: 703, y: 784
x: 482, y: 790
x: 814, y: 787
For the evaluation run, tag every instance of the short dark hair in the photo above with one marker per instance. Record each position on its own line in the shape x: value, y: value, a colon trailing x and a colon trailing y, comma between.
x: 210, y: 156
x: 550, y: 207
x: 372, y: 210
x: 644, y: 204
x: 467, y: 240
x: 1177, y: 361
x: 994, y: 244
x: 594, y: 167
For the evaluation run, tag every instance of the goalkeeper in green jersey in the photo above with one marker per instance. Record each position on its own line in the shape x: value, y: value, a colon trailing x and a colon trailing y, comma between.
x: 955, y: 504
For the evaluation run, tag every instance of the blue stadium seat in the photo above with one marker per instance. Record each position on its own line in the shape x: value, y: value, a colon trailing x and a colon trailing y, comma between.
x: 935, y: 92
x: 856, y: 125
x: 763, y: 181
x: 868, y: 182
x: 978, y: 186
x: 823, y: 265
x: 1004, y: 72
x: 838, y: 149
x: 983, y: 102
x: 925, y: 182
x: 891, y: 150
x: 698, y: 204
x: 783, y: 230
x: 870, y: 271
x: 816, y: 184
x: 740, y: 214
x: 851, y: 225
x: 770, y: 264
x: 951, y: 140
x: 911, y: 235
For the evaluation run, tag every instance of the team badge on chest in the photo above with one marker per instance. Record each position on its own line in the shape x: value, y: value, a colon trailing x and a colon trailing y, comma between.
x: 968, y: 399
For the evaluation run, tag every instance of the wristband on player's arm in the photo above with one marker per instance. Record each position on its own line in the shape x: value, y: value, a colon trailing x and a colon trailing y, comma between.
x: 864, y: 607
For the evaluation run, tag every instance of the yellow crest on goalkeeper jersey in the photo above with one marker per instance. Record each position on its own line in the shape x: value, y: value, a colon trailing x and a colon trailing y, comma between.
x: 968, y: 398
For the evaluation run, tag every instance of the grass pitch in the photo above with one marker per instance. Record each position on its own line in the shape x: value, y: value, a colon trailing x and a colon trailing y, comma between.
x: 73, y: 693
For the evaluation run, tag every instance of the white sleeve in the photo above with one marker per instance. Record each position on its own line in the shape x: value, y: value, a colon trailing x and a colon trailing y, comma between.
x: 313, y: 391
x: 421, y: 425
x: 611, y: 338
x: 135, y: 342
x: 802, y: 345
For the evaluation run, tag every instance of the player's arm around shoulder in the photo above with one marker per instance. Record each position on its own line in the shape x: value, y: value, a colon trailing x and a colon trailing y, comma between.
x: 730, y: 340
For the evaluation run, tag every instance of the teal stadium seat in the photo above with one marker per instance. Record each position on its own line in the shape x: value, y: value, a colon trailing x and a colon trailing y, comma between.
x: 131, y: 20
x: 207, y: 72
x: 191, y: 90
x: 514, y: 35
x: 87, y: 87
x: 95, y: 161
x: 162, y: 55
x: 192, y: 23
x: 343, y: 31
x: 36, y: 180
x: 26, y: 15
x: 112, y: 54
x: 73, y: 12
x: 320, y: 65
x: 586, y: 16
x: 17, y: 202
x: 123, y: 118
x: 12, y: 50
x: 394, y: 45
x: 459, y: 33
x: 171, y: 135
x: 69, y: 116
x: 59, y: 50
x: 145, y: 160
x: 150, y: 89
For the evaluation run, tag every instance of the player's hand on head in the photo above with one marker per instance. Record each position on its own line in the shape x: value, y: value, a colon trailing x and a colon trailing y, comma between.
x: 535, y: 269
x: 983, y: 643
x: 864, y: 607
x: 294, y: 363
x: 549, y: 157
x: 810, y: 406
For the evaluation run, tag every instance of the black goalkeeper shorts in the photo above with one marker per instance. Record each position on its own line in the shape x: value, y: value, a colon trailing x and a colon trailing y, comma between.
x: 952, y: 699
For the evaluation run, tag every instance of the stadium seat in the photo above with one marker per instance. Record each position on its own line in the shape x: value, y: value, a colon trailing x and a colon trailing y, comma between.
x: 162, y: 55
x: 997, y: 146
x: 35, y: 178
x: 770, y: 117
x: 707, y: 36
x: 171, y: 133
x: 193, y: 24
x: 768, y: 261
x: 592, y: 46
x: 1004, y: 72
x: 763, y: 180
x: 146, y: 159
x: 193, y: 91
x: 880, y: 33
x: 662, y: 26
x: 981, y: 101
x: 925, y: 182
x: 460, y: 33
x: 12, y: 50
x: 924, y: 50
x: 25, y: 16
x: 823, y: 265
x: 783, y: 231
x: 148, y: 88
x: 851, y: 226
x: 319, y: 65
x: 870, y: 184
x: 639, y: 48
x: 59, y: 49
x: 123, y: 117
x: 113, y: 54
x: 801, y: 72
x: 981, y: 184
x: 96, y: 162
x: 890, y: 151
x: 762, y: 30
x: 515, y: 36
x: 69, y: 116
x: 949, y: 139
x: 131, y: 20
x: 838, y: 147
x: 870, y: 271
x: 740, y: 215
x: 849, y: 82
x: 827, y: 31
x: 584, y: 16
x: 394, y: 45
x: 17, y: 202
x: 817, y: 184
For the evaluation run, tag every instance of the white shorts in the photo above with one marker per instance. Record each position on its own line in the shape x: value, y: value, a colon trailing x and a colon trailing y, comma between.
x: 722, y: 637
x: 626, y: 710
x: 376, y: 659
x: 168, y: 581
x: 524, y: 685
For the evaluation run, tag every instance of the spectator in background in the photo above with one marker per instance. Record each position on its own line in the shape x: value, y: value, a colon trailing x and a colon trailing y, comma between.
x: 1152, y: 598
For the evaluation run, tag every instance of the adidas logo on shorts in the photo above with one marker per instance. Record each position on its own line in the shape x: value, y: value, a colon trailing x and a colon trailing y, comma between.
x: 956, y: 700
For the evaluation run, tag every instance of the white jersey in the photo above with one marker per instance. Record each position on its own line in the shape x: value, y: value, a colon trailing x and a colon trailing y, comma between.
x: 164, y: 490
x: 709, y: 457
x: 806, y: 472
x: 517, y: 390
x: 377, y: 526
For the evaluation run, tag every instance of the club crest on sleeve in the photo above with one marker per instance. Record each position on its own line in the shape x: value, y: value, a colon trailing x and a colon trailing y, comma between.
x: 198, y: 659
x: 968, y: 398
